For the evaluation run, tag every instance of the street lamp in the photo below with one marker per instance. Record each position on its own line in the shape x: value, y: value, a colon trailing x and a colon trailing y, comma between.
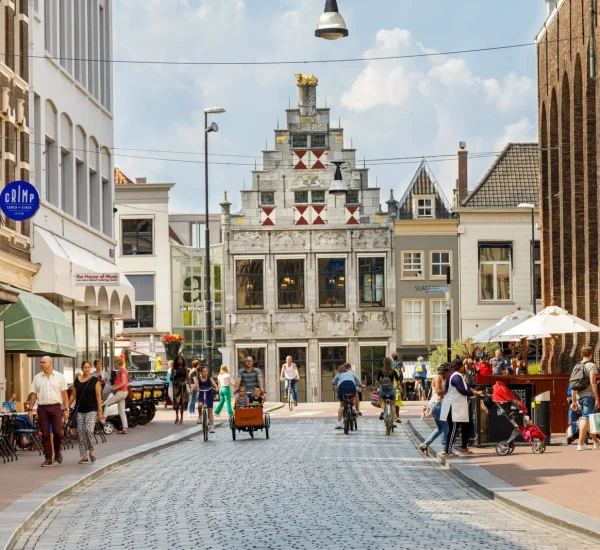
x: 529, y: 206
x: 207, y: 297
x: 331, y: 25
x: 338, y: 187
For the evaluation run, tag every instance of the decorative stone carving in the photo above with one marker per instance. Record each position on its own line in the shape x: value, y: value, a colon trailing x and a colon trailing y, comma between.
x: 247, y: 240
x: 333, y: 324
x: 290, y: 240
x: 375, y: 320
x: 368, y: 240
x: 329, y: 240
x: 267, y: 185
x: 251, y: 324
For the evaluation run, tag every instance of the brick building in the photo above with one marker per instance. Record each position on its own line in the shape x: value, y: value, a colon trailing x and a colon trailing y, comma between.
x: 568, y: 112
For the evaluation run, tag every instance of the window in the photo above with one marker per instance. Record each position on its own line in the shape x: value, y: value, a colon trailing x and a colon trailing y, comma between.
x: 537, y: 273
x: 318, y: 197
x: 332, y: 282
x: 318, y: 141
x: 371, y: 273
x: 267, y: 198
x: 301, y: 197
x: 352, y: 197
x: 137, y: 236
x: 80, y: 197
x: 290, y: 283
x: 412, y: 320
x: 425, y: 208
x: 371, y: 359
x: 412, y: 265
x: 495, y: 271
x: 299, y: 141
x: 439, y: 321
x: 249, y: 281
x: 144, y: 301
x: 64, y: 174
x: 48, y: 26
x: 198, y: 231
x: 440, y: 261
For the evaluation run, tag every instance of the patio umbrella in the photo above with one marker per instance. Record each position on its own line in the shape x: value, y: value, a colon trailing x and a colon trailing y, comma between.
x: 495, y: 332
x: 550, y: 321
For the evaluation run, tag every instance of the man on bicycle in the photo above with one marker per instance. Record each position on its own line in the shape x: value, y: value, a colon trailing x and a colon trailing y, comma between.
x: 347, y: 382
x: 385, y: 381
x: 249, y: 377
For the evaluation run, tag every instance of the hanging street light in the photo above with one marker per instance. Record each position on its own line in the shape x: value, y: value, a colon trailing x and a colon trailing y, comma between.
x: 331, y: 24
x: 338, y: 187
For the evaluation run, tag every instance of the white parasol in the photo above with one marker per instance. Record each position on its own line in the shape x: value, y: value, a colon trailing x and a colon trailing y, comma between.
x: 496, y: 332
x: 550, y: 321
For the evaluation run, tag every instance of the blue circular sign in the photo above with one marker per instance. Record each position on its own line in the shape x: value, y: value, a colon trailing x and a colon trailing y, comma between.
x: 19, y: 200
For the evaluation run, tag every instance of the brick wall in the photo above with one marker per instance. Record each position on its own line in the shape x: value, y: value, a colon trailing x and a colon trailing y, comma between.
x: 568, y: 105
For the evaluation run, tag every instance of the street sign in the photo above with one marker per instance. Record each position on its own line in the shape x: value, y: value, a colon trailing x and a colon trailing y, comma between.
x: 19, y: 200
x: 437, y: 289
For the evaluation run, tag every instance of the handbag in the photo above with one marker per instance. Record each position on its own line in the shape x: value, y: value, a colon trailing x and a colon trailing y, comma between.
x: 595, y: 423
x: 427, y: 409
x: 72, y: 422
x: 375, y: 399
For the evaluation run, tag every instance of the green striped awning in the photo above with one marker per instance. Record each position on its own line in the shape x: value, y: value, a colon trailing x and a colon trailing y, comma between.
x: 35, y: 326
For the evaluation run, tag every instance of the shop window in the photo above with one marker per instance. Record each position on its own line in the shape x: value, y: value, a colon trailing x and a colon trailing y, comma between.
x: 249, y: 283
x: 290, y: 283
x: 371, y: 361
x: 371, y: 273
x: 495, y: 272
x: 137, y: 236
x: 332, y: 282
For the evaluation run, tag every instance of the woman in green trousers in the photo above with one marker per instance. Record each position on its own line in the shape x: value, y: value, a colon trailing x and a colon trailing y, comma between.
x: 225, y: 386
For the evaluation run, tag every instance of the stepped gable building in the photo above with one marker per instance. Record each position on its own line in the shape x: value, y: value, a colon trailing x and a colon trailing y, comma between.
x: 310, y: 273
x: 568, y: 137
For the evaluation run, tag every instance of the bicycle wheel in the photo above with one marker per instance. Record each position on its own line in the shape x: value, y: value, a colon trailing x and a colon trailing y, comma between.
x: 355, y: 424
x: 290, y: 399
x: 233, y: 433
x: 389, y: 424
x: 346, y: 424
x: 205, y: 423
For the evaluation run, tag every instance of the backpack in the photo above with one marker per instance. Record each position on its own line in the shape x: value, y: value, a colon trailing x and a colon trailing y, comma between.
x: 580, y: 379
x: 386, y: 384
x: 419, y: 368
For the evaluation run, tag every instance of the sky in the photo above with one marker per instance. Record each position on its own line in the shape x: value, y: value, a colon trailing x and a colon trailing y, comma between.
x: 389, y: 109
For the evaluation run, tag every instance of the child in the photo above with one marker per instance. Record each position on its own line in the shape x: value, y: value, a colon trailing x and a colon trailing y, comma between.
x: 256, y: 398
x: 242, y: 399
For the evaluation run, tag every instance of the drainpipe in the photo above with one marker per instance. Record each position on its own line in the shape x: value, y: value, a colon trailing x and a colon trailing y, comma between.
x: 592, y: 42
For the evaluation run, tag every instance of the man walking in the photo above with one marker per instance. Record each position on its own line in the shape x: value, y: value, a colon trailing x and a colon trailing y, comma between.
x: 498, y: 364
x: 584, y: 391
x: 249, y: 377
x: 49, y: 388
x: 120, y: 391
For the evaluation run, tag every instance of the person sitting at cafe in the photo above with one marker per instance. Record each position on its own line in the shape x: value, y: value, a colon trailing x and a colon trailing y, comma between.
x: 483, y: 370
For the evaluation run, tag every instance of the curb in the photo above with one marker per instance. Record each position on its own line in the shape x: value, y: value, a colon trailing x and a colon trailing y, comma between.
x: 17, y: 517
x: 498, y: 489
x: 275, y: 407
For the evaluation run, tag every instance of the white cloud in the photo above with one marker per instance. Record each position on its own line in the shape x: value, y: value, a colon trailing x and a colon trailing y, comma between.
x: 520, y: 131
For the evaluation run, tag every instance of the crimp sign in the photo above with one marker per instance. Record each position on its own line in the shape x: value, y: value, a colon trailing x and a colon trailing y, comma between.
x: 19, y: 200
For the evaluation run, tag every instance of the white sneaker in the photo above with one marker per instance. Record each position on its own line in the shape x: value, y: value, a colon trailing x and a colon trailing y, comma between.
x: 584, y: 447
x: 212, y: 428
x: 339, y: 426
x: 596, y: 445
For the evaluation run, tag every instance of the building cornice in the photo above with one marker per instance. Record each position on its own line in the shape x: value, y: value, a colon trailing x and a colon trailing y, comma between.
x: 17, y: 272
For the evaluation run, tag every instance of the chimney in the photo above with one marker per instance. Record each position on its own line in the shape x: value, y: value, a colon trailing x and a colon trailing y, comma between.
x: 462, y: 183
x: 307, y: 94
x: 141, y: 180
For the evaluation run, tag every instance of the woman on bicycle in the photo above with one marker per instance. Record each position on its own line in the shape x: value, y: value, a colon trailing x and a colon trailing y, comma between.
x: 385, y: 381
x: 206, y: 398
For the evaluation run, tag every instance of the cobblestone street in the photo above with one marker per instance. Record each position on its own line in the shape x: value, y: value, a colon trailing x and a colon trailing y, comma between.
x: 308, y: 487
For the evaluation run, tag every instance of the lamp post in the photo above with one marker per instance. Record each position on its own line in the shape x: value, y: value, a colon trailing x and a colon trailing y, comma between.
x: 207, y: 296
x: 531, y: 207
x: 331, y: 24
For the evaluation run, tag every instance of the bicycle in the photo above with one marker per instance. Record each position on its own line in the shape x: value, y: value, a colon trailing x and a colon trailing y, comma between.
x: 290, y: 392
x: 387, y: 417
x: 349, y: 414
x: 205, y: 423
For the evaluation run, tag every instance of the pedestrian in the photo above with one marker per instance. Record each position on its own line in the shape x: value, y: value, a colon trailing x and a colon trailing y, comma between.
x: 49, y: 388
x: 435, y: 402
x: 193, y: 378
x: 584, y: 392
x: 289, y: 373
x: 104, y: 378
x: 88, y: 410
x: 169, y: 383
x: 420, y: 375
x: 120, y: 391
x: 225, y: 385
x: 498, y: 364
x: 179, y: 378
x: 249, y: 377
x: 455, y: 408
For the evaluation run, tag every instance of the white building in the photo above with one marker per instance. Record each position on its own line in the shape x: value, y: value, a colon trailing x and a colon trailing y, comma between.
x: 144, y: 256
x: 72, y: 167
x: 495, y: 244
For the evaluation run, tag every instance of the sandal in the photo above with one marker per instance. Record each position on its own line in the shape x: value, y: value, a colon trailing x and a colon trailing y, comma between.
x: 446, y: 455
x: 424, y: 450
x: 466, y: 452
x: 84, y: 460
x: 122, y: 432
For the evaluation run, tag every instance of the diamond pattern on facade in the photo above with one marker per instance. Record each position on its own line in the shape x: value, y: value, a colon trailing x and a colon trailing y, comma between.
x: 352, y: 215
x: 267, y: 216
x: 319, y: 215
x: 302, y: 215
x: 310, y: 160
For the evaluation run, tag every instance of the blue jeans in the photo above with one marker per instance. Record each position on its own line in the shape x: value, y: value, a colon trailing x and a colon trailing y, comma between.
x: 193, y: 401
x: 573, y: 422
x: 588, y: 406
x: 441, y: 429
x: 294, y: 384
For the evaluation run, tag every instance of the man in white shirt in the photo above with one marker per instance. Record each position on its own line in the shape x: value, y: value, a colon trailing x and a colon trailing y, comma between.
x: 49, y: 389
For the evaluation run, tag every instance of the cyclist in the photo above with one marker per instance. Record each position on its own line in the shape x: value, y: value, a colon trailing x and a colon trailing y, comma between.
x: 347, y: 382
x: 385, y: 381
x: 289, y: 373
x: 204, y: 382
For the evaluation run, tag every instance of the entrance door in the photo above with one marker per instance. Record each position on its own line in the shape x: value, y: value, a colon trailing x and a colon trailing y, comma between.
x: 298, y: 357
x: 371, y: 360
x: 331, y: 358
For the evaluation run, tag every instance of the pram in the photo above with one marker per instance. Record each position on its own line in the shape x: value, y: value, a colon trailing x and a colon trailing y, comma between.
x: 530, y: 433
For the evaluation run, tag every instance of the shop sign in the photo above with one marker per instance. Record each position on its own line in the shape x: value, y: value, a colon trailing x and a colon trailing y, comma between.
x: 19, y: 200
x: 96, y: 279
x: 432, y: 289
x: 198, y: 308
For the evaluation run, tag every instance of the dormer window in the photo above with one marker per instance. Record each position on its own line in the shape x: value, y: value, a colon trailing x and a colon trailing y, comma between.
x: 299, y: 141
x: 425, y: 207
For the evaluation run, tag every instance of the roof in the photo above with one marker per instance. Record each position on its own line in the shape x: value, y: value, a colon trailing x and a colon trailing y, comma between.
x: 513, y: 179
x: 120, y: 178
x: 423, y: 183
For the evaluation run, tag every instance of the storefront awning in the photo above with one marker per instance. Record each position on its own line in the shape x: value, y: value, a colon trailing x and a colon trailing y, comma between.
x: 35, y: 326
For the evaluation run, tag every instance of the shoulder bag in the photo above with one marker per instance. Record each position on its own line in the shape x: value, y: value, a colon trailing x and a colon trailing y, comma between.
x: 427, y: 410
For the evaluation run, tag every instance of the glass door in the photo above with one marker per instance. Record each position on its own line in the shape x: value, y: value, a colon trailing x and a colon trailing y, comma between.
x: 298, y: 357
x: 331, y: 358
x: 371, y: 360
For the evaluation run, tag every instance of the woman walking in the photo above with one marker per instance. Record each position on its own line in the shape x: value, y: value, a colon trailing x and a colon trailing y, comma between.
x: 455, y: 408
x: 181, y: 395
x: 435, y: 402
x: 169, y: 383
x: 194, y: 392
x: 87, y: 393
x: 225, y: 385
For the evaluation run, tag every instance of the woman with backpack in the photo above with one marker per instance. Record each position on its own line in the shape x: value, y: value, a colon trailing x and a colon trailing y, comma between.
x: 385, y: 382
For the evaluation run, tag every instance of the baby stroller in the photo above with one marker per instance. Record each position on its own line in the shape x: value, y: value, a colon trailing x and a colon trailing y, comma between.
x: 530, y: 433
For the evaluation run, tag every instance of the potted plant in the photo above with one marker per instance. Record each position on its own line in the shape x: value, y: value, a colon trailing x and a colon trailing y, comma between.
x: 173, y: 344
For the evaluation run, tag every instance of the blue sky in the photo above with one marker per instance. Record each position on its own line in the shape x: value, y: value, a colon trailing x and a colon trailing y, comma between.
x: 389, y: 108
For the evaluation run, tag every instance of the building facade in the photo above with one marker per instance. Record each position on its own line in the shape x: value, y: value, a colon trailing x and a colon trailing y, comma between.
x: 309, y: 273
x: 568, y: 133
x: 495, y: 240
x: 72, y: 168
x: 426, y: 245
x: 143, y: 255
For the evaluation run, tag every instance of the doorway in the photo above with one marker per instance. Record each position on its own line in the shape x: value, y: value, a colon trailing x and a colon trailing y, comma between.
x: 331, y: 358
x: 299, y: 357
x: 371, y: 361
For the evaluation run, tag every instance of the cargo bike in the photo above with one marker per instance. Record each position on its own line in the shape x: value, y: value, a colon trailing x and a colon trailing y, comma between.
x: 249, y: 419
